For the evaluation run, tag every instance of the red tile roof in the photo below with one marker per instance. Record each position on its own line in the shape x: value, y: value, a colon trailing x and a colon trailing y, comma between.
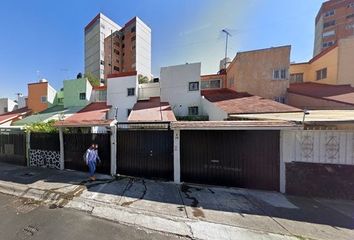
x: 99, y: 88
x: 241, y: 102
x: 337, y: 93
x: 152, y: 110
x: 14, y: 115
x: 93, y: 114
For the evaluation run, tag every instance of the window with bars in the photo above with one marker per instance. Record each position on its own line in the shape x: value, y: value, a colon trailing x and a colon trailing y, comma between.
x: 193, y: 111
x: 193, y: 86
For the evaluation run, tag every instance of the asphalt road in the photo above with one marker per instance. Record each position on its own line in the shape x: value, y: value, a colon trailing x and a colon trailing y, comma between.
x: 29, y: 220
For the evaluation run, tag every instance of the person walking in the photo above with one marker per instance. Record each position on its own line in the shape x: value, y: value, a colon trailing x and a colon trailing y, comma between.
x: 91, y: 157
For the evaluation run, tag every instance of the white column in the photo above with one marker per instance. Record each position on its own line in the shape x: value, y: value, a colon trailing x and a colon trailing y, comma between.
x: 28, y: 146
x: 282, y: 174
x: 61, y: 139
x: 176, y: 156
x: 113, y: 150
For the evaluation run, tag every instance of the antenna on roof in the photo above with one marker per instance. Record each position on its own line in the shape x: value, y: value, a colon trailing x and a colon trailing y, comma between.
x: 227, y: 34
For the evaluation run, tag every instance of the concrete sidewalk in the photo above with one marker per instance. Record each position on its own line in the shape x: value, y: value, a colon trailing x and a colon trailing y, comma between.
x: 198, y: 212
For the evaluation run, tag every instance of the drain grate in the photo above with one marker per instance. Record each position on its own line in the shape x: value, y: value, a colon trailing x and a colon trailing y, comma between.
x: 27, y: 232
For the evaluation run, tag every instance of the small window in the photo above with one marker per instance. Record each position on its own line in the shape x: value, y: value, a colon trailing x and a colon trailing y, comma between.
x: 192, y: 111
x: 321, y: 74
x: 280, y: 74
x: 44, y: 99
x: 328, y: 34
x: 133, y: 47
x: 123, y: 45
x: 296, y: 77
x: 102, y: 62
x: 123, y: 37
x: 327, y: 44
x: 350, y: 5
x: 193, y: 86
x: 329, y: 24
x: 116, y: 68
x: 116, y: 51
x: 60, y: 100
x: 329, y: 13
x: 6, y: 109
x: 350, y: 16
x: 131, y: 91
x: 280, y: 99
x: 82, y: 96
x: 349, y: 26
x: 117, y: 44
x: 133, y: 29
x: 133, y: 38
x: 214, y: 83
x: 128, y: 112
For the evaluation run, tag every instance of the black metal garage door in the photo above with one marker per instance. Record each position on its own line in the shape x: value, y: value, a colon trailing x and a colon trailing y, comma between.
x: 13, y: 148
x: 145, y: 153
x: 76, y: 144
x: 248, y: 159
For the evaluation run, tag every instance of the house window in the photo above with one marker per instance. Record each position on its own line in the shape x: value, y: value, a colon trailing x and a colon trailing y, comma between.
x: 123, y: 37
x: 117, y: 44
x: 349, y: 26
x: 6, y: 109
x: 327, y: 44
x: 280, y: 99
x: 128, y: 112
x: 205, y: 84
x: 82, y: 96
x: 131, y: 91
x: 193, y: 86
x: 214, y: 83
x: 321, y: 74
x: 350, y: 5
x: 133, y: 38
x: 329, y: 24
x: 296, y: 77
x: 329, y: 13
x: 44, y: 99
x: 133, y: 29
x: 328, y: 34
x: 280, y: 74
x: 192, y: 111
x: 60, y: 100
x: 116, y: 51
x: 123, y: 45
x: 116, y: 68
x: 350, y: 16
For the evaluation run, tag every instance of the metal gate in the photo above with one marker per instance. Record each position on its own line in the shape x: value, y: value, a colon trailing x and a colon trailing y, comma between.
x: 13, y: 148
x: 75, y: 146
x: 145, y: 150
x: 248, y: 159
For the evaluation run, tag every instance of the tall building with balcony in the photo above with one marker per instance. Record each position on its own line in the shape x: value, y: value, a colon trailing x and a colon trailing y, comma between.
x: 129, y: 49
x: 334, y: 21
x: 95, y: 33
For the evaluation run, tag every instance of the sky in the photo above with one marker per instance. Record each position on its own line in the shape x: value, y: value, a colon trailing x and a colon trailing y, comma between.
x: 45, y: 39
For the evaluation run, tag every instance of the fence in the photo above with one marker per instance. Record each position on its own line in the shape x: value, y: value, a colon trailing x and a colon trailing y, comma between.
x: 13, y: 148
x: 44, y: 150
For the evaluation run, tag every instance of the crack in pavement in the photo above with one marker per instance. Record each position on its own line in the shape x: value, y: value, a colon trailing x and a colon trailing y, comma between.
x: 126, y: 204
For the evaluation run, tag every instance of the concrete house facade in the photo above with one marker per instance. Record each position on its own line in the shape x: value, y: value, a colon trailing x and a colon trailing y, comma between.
x: 263, y: 72
x: 77, y: 92
x: 7, y: 105
x: 180, y: 87
x: 40, y: 96
x: 333, y: 66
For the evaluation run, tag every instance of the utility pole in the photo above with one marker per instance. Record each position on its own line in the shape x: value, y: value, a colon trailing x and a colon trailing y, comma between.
x: 227, y: 33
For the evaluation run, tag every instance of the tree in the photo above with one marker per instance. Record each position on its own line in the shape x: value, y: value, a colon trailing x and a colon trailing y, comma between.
x: 92, y: 79
x: 42, y: 127
x: 79, y: 75
x: 142, y: 79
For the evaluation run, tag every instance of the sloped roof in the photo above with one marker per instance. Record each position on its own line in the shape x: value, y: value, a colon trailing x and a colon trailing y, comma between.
x: 337, y: 93
x: 93, y: 114
x: 52, y: 113
x: 152, y: 110
x: 14, y: 115
x: 233, y: 102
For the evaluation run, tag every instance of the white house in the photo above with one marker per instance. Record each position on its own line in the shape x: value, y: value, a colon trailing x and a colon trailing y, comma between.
x: 122, y: 94
x: 180, y: 86
x: 7, y: 105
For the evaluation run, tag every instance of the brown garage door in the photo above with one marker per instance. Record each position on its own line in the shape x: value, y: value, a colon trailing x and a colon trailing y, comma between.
x: 248, y: 159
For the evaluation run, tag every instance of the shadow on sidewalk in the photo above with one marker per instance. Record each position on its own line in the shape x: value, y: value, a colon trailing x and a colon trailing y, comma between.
x: 215, y: 204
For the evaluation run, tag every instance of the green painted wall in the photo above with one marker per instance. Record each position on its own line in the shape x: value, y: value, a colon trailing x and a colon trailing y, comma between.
x: 72, y: 90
